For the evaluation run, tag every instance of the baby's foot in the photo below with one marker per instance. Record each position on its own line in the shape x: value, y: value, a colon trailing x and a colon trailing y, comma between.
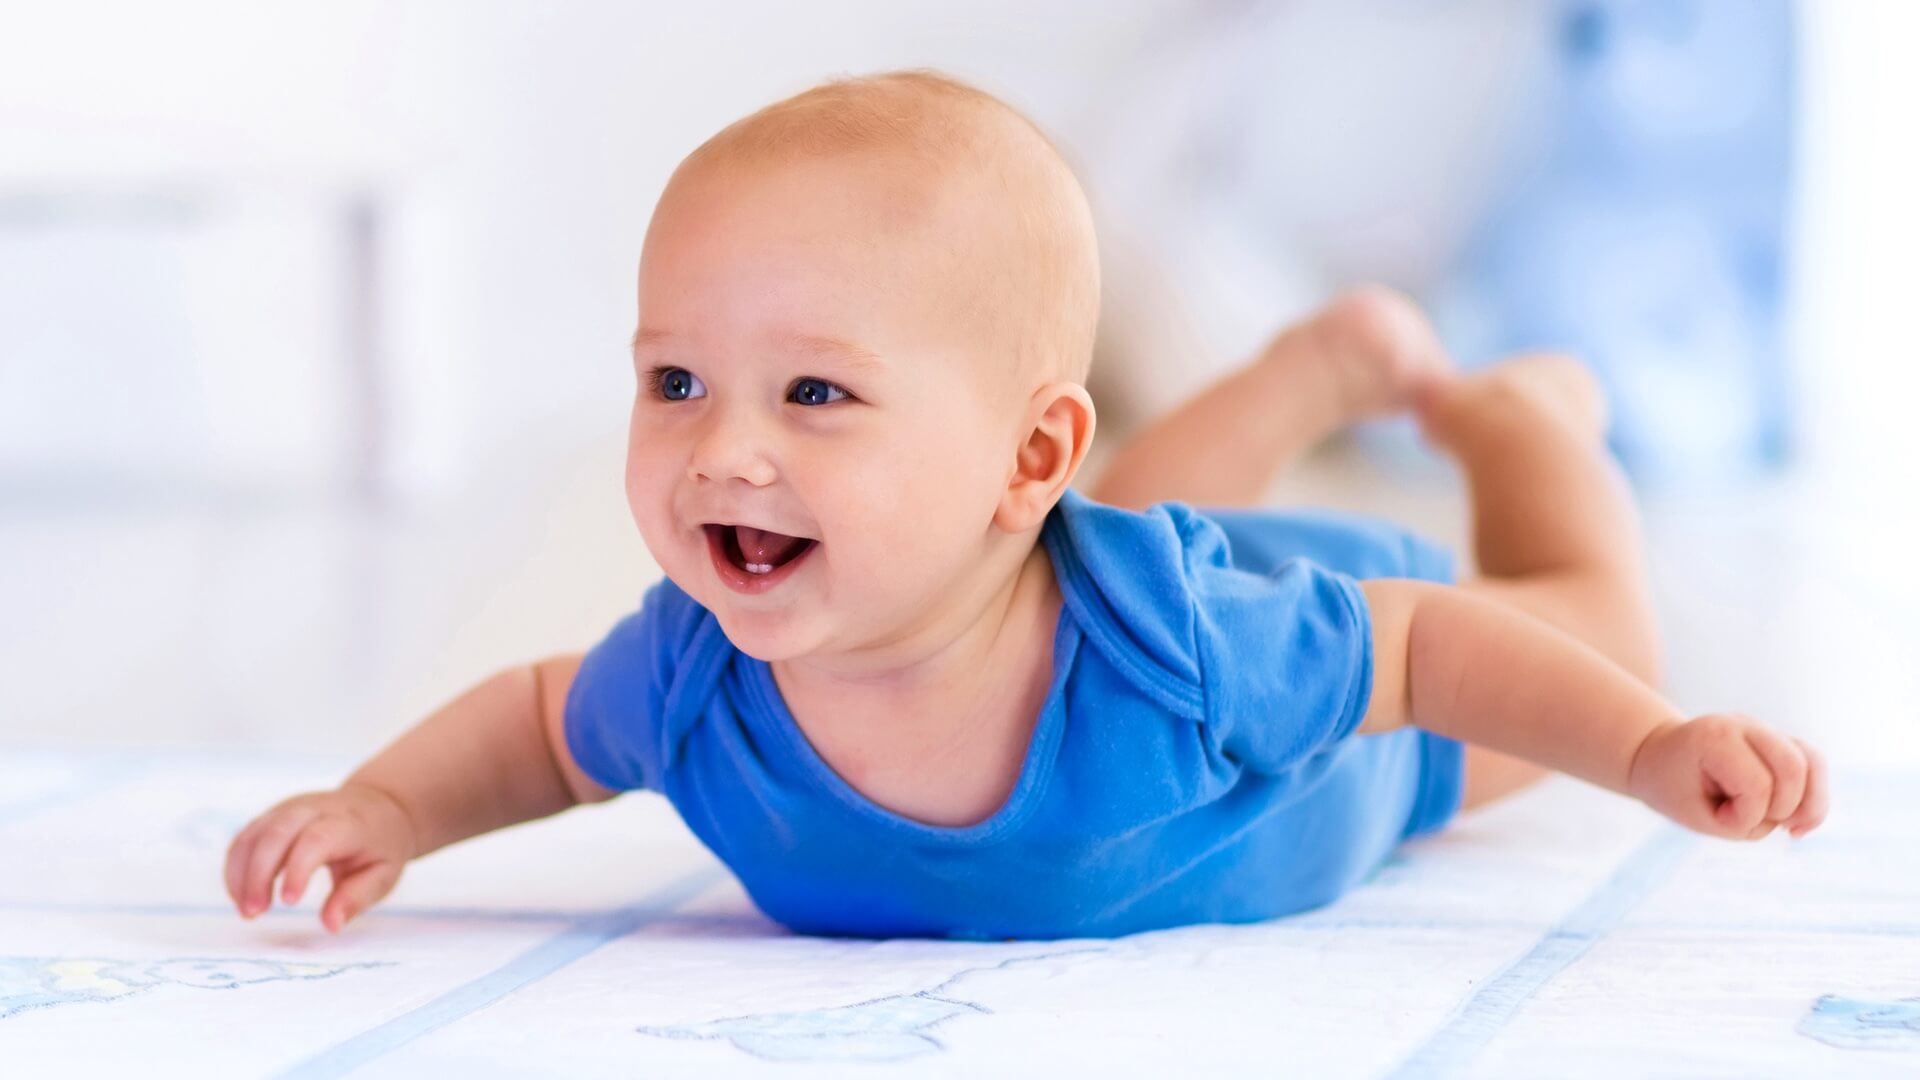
x: 1372, y: 347
x: 1524, y: 391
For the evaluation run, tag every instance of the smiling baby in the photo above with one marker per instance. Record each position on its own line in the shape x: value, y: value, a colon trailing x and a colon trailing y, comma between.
x: 904, y: 680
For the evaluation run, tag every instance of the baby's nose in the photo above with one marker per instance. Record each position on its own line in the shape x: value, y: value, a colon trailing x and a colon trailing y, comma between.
x: 729, y: 450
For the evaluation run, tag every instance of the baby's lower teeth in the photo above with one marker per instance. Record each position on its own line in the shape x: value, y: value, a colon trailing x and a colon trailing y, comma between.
x: 759, y: 568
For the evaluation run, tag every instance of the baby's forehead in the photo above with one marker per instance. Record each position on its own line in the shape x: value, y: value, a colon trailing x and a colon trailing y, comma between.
x: 936, y: 184
x: 878, y: 195
x: 857, y: 232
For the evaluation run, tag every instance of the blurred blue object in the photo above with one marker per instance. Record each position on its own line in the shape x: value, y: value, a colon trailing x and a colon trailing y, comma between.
x: 1647, y: 231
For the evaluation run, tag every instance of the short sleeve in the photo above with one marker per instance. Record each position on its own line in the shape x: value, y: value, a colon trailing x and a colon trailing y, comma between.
x: 615, y: 721
x: 1286, y: 654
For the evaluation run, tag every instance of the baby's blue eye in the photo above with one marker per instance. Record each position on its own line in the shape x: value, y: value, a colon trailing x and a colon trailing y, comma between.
x: 811, y: 391
x: 675, y: 384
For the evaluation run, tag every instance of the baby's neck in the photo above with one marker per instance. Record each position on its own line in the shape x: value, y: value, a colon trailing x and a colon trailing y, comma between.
x: 941, y: 738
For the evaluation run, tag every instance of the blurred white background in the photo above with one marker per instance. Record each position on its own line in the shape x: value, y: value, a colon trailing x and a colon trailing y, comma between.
x: 313, y: 322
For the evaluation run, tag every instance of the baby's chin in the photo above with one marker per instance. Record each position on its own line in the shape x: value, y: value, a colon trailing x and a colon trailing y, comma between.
x: 769, y: 635
x: 768, y: 649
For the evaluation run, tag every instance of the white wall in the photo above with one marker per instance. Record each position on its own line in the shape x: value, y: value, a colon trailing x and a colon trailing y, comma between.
x: 511, y: 153
x: 514, y: 153
x: 1859, y: 232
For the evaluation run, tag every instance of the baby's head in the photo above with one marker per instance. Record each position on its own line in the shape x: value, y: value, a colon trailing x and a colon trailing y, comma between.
x: 866, y: 314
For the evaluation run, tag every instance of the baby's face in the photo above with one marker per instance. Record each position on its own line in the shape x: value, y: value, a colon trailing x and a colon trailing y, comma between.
x: 811, y: 360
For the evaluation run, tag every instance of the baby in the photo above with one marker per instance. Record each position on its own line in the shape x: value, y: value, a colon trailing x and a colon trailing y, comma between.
x: 904, y: 680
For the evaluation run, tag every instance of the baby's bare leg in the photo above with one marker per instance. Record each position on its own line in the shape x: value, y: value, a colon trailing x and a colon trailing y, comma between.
x: 1368, y: 353
x: 1555, y: 532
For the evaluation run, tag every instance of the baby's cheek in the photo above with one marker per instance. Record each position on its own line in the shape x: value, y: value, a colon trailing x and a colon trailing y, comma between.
x: 911, y: 505
x: 653, y: 464
x: 880, y: 540
x: 649, y: 501
x: 640, y: 467
x: 640, y: 502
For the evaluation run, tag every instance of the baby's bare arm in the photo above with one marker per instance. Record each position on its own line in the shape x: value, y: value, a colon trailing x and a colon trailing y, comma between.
x: 1470, y: 668
x: 492, y: 757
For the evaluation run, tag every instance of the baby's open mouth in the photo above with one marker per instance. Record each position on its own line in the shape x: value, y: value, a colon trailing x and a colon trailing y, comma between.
x: 758, y: 551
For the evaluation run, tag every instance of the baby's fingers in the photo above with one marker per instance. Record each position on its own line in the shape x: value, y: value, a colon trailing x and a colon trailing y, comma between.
x: 238, y: 852
x: 1813, y: 806
x: 1789, y: 767
x: 1745, y: 784
x: 320, y: 844
x: 356, y: 891
x: 263, y: 861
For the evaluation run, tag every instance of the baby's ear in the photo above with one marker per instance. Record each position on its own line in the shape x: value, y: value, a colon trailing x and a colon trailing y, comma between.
x: 1059, y: 430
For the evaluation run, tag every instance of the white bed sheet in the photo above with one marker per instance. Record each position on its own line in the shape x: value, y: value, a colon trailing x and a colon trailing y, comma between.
x: 1565, y: 932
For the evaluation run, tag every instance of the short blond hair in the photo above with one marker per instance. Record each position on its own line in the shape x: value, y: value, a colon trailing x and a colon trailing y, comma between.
x: 1053, y: 291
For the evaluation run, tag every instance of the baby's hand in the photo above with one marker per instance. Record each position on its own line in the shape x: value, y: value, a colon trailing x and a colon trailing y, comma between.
x: 360, y: 834
x: 1730, y: 776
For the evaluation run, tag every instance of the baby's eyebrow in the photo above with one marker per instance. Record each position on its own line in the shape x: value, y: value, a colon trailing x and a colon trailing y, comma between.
x: 808, y: 345
x: 833, y: 348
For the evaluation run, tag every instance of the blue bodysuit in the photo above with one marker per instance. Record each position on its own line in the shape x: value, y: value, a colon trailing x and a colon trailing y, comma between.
x: 1195, y: 760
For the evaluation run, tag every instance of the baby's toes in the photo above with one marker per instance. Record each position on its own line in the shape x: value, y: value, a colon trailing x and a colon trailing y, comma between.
x: 1445, y: 409
x: 1384, y: 351
x: 1507, y: 399
x: 1559, y: 383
